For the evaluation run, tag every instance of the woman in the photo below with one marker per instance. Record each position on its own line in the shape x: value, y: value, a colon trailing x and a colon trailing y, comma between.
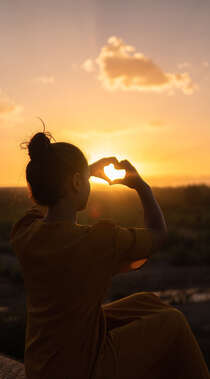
x: 67, y: 269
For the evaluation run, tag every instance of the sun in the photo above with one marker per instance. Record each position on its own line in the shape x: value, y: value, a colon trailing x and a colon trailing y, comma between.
x: 112, y: 173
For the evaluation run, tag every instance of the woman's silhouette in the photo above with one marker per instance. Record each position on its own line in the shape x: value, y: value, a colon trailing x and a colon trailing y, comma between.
x: 67, y: 269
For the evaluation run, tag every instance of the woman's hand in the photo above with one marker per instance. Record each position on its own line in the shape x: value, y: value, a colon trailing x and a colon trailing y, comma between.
x: 132, y: 177
x: 97, y: 168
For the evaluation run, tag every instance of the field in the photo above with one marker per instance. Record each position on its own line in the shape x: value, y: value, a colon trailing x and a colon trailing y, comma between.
x: 186, y: 209
x: 180, y: 272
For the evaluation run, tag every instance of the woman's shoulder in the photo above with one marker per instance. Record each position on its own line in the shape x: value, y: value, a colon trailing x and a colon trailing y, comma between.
x: 103, y: 225
x: 33, y: 213
x: 103, y: 231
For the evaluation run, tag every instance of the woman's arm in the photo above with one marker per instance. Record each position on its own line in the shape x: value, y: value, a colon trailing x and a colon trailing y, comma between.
x: 153, y: 215
x: 134, y: 245
x: 154, y: 219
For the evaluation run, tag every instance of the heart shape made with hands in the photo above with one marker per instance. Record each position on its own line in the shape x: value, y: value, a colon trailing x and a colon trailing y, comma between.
x: 114, y: 173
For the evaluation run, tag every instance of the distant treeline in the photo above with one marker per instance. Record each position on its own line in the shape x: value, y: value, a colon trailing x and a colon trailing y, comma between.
x: 186, y: 209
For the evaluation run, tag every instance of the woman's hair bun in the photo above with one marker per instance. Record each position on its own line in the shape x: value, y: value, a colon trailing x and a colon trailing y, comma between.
x: 38, y: 146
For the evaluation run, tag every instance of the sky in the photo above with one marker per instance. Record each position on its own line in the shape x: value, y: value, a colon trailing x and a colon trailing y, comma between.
x: 116, y: 78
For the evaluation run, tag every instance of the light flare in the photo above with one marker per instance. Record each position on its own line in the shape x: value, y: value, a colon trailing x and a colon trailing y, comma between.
x: 112, y: 173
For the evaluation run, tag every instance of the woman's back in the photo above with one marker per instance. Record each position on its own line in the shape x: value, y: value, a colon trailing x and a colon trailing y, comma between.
x: 67, y: 270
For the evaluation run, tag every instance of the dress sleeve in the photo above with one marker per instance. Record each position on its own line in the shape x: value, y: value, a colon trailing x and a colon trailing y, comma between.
x: 133, y: 247
x: 30, y: 215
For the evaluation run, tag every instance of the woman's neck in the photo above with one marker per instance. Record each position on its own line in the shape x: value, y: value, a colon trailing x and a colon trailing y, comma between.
x: 62, y: 210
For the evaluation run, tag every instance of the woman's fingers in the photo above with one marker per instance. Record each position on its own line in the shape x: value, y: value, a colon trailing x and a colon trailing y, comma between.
x: 131, y: 175
x: 97, y: 169
x: 105, y: 177
x: 98, y: 165
x: 108, y: 160
x: 126, y: 164
x: 116, y: 181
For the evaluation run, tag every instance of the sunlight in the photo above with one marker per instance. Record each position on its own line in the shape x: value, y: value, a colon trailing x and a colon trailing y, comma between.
x: 112, y: 173
x: 94, y: 179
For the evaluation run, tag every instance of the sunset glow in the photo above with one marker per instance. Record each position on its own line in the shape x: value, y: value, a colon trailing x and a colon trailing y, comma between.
x: 122, y: 81
x: 112, y: 173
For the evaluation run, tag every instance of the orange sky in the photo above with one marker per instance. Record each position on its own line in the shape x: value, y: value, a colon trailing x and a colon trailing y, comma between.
x: 126, y: 80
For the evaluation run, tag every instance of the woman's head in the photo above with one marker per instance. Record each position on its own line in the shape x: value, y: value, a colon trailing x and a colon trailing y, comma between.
x: 57, y: 170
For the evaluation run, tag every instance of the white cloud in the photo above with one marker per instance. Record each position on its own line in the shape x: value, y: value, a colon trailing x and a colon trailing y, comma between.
x: 120, y: 67
x: 44, y: 79
x: 9, y: 110
x: 184, y: 65
x: 88, y: 65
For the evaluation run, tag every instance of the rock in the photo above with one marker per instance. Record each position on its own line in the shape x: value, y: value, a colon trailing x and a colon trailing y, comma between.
x: 11, y: 369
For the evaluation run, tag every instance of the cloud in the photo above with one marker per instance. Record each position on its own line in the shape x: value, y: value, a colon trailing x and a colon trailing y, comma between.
x: 88, y: 65
x: 44, y: 79
x: 205, y: 64
x: 120, y: 67
x: 184, y: 65
x: 94, y: 133
x: 111, y: 133
x: 9, y: 110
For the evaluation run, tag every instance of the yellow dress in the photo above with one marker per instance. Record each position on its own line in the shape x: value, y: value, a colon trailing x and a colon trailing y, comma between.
x: 70, y: 334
